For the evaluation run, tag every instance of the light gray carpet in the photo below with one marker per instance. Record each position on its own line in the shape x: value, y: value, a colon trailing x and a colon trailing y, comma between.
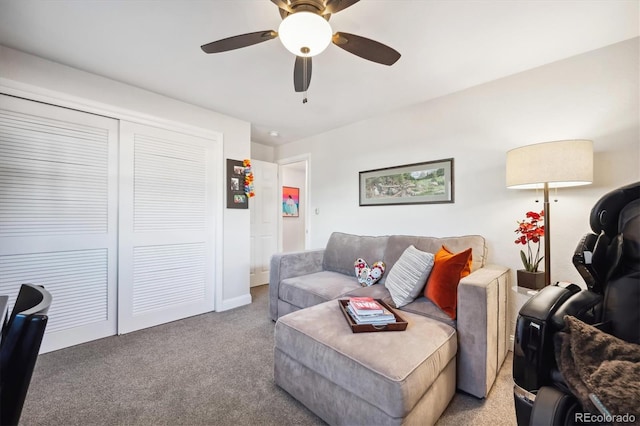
x: 212, y: 369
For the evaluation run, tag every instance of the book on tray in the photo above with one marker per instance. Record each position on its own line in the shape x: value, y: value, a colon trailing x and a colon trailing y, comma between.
x: 366, y: 310
x: 365, y: 306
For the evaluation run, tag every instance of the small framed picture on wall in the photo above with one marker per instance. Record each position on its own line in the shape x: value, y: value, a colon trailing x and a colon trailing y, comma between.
x: 236, y: 197
x: 290, y: 201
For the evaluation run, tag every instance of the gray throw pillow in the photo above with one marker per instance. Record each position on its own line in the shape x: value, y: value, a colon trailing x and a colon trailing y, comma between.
x: 409, y: 275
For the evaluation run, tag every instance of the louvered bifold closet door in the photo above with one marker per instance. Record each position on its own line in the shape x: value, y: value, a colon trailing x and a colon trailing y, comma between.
x: 58, y: 215
x: 166, y: 246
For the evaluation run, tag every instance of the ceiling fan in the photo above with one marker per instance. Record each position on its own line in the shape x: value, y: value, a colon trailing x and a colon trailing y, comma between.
x: 305, y: 32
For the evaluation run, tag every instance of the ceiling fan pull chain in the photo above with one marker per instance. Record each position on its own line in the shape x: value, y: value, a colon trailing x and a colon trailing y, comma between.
x: 306, y: 81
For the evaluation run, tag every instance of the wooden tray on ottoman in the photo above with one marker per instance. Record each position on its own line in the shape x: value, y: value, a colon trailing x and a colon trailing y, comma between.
x: 399, y: 325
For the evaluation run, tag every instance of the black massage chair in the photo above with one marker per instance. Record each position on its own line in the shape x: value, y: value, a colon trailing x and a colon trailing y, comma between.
x: 609, y: 262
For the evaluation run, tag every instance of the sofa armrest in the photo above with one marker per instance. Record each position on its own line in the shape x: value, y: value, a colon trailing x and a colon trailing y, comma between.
x: 482, y: 328
x: 287, y: 265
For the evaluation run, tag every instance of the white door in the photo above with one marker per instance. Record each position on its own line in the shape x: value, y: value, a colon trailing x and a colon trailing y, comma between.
x: 167, y: 226
x: 264, y: 209
x: 58, y: 215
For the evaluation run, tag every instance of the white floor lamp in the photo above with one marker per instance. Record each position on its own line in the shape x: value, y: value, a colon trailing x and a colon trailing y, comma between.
x: 556, y: 164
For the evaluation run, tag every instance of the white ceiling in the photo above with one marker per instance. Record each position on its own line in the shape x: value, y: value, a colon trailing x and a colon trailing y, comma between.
x: 446, y: 46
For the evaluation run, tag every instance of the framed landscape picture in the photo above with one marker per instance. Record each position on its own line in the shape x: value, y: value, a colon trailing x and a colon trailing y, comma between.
x: 290, y: 201
x: 418, y: 183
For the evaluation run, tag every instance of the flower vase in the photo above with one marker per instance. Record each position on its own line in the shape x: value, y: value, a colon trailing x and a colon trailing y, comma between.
x: 532, y: 280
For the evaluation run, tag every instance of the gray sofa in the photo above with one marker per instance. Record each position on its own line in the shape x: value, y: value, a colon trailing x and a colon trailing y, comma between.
x: 302, y: 279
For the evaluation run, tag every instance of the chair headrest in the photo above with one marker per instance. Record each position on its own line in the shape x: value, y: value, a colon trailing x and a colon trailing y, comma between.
x: 605, y: 213
x: 629, y: 226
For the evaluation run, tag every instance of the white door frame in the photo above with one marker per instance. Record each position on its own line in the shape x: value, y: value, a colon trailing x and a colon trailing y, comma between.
x: 306, y: 158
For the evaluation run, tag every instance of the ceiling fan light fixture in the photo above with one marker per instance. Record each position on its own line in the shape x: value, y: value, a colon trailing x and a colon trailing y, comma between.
x: 305, y: 33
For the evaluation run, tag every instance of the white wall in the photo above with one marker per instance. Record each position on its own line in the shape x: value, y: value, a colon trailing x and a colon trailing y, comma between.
x: 591, y: 96
x: 262, y: 152
x: 40, y: 79
x: 293, y: 230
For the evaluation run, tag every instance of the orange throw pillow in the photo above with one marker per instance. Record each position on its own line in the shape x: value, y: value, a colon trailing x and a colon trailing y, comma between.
x: 442, y: 285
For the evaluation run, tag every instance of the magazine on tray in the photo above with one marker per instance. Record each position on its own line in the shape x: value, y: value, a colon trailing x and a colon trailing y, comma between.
x: 365, y: 306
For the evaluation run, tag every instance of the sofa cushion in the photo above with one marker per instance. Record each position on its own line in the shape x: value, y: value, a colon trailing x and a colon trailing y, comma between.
x: 408, y: 276
x: 343, y: 249
x: 397, y: 244
x: 420, y: 305
x: 377, y: 291
x: 425, y: 307
x: 442, y: 285
x: 311, y: 289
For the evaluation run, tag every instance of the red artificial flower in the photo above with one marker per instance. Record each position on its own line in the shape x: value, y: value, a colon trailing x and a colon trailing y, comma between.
x: 529, y: 232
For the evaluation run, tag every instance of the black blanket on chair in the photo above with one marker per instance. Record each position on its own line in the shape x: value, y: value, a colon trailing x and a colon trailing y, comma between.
x: 592, y: 361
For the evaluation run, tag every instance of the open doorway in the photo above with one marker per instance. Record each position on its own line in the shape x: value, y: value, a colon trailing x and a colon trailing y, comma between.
x: 294, y: 229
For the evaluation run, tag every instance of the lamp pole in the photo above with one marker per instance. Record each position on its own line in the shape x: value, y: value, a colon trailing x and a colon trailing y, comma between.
x: 547, y: 236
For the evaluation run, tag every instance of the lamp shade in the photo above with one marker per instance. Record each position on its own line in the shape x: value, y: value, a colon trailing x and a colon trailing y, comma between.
x: 558, y: 163
x: 305, y: 33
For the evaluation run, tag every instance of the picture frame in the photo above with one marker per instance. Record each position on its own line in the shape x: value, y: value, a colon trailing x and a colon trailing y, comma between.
x: 429, y: 182
x: 236, y: 197
x: 290, y: 201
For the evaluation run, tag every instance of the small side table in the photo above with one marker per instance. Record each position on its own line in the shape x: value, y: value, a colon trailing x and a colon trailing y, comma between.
x: 525, y: 291
x: 521, y: 295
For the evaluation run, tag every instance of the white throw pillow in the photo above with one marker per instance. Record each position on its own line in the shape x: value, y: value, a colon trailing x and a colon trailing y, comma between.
x: 409, y: 275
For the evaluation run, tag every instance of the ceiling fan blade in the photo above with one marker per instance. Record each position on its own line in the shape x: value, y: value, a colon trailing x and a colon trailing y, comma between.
x: 334, y: 6
x: 302, y: 73
x: 366, y: 48
x: 236, y: 42
x: 282, y: 4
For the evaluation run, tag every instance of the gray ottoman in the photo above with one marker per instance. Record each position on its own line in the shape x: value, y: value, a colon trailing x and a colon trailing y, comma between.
x: 392, y: 377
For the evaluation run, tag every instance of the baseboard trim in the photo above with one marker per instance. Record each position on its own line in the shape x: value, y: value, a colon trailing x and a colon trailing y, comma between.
x: 245, y: 299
